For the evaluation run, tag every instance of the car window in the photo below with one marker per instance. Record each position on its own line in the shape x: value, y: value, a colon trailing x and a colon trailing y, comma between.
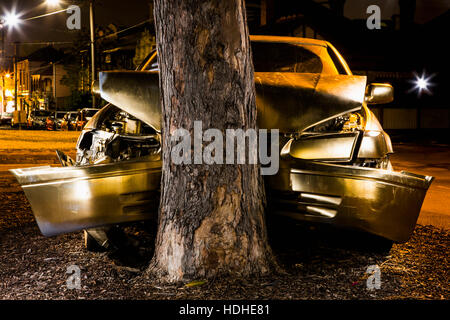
x: 284, y: 57
x: 270, y: 57
x: 340, y: 68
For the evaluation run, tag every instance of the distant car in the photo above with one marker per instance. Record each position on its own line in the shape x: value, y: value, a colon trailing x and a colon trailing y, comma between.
x: 37, y: 119
x: 68, y: 121
x: 50, y: 123
x: 84, y: 116
x: 334, y: 155
x: 6, y: 117
x: 59, y: 115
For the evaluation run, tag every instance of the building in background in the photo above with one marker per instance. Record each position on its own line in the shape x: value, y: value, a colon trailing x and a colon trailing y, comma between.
x: 39, y: 84
x: 6, y: 95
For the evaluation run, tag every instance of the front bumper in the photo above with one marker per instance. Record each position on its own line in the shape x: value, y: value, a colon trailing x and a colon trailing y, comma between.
x: 380, y: 202
x: 377, y: 201
x: 66, y: 199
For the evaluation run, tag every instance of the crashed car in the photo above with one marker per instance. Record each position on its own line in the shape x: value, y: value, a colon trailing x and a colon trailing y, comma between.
x: 334, y: 156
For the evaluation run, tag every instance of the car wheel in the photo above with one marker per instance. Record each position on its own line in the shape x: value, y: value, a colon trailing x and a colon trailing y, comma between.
x: 95, y: 240
x: 383, y: 246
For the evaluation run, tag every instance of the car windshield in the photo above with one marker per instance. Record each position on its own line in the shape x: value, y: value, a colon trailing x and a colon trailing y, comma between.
x: 279, y: 57
x: 285, y: 57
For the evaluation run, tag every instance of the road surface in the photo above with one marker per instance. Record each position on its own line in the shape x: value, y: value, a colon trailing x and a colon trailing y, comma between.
x: 432, y: 160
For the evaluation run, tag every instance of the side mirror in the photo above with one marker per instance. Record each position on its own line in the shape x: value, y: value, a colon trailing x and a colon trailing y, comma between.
x: 378, y: 93
x: 96, y: 87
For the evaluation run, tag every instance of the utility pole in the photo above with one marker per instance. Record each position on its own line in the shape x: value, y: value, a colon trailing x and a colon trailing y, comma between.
x: 91, y: 21
x: 3, y: 43
x: 2, y: 63
x: 54, y: 87
x: 16, y: 106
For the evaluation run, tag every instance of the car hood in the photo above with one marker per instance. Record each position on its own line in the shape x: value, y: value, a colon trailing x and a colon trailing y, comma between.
x: 291, y: 102
x: 136, y: 92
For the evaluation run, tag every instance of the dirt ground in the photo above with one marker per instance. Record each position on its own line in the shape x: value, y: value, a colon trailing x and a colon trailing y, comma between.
x: 320, y: 262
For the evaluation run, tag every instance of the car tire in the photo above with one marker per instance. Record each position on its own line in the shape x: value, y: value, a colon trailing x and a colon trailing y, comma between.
x: 384, y: 246
x: 377, y: 244
x: 95, y: 240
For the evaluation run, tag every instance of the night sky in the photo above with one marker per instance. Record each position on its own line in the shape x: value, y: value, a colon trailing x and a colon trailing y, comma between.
x: 124, y: 13
x: 53, y: 28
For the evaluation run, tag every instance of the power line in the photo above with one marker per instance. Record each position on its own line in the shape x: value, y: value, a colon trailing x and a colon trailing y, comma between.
x: 45, y: 15
x: 123, y: 30
x: 47, y: 43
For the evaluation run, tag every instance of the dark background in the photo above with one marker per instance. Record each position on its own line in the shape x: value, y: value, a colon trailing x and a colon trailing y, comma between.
x: 412, y: 41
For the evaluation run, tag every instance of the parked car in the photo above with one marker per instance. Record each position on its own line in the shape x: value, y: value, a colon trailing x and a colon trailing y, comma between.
x: 50, y: 122
x: 37, y: 119
x: 59, y: 117
x: 84, y: 116
x: 68, y: 122
x: 5, y: 117
x: 334, y: 157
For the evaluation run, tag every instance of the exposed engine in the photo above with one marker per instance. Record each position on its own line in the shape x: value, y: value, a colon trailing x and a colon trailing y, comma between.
x: 346, y: 123
x: 351, y: 123
x: 118, y: 136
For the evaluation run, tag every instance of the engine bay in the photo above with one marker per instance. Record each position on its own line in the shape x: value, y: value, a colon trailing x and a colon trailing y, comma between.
x: 117, y: 136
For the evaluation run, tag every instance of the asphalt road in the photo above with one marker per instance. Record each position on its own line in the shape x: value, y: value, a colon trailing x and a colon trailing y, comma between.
x: 431, y: 160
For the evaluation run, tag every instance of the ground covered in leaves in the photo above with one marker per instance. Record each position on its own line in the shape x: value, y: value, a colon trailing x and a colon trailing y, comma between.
x: 320, y: 262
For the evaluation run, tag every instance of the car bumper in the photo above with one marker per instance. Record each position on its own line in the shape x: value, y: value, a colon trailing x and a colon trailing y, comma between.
x: 66, y: 199
x: 381, y: 202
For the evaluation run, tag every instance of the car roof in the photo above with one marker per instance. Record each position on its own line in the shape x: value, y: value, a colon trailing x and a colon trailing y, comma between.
x: 297, y: 40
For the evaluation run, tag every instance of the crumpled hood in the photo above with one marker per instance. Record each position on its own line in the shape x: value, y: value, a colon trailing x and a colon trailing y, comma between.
x: 136, y: 92
x: 290, y: 102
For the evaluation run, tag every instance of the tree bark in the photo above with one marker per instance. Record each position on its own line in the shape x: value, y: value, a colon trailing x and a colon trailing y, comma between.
x: 211, y: 219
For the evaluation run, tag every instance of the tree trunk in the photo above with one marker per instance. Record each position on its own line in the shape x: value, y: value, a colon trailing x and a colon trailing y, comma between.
x: 211, y: 218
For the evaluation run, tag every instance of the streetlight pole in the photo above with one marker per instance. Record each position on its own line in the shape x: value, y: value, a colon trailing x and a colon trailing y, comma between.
x: 16, y: 106
x: 2, y: 26
x: 2, y: 63
x: 91, y: 21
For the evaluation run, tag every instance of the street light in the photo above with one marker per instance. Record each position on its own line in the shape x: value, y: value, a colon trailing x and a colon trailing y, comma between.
x: 53, y: 3
x: 11, y: 19
x: 422, y: 83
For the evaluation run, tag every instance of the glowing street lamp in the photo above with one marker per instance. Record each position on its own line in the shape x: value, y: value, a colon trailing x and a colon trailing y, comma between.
x: 53, y: 3
x: 11, y: 19
x: 422, y: 83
